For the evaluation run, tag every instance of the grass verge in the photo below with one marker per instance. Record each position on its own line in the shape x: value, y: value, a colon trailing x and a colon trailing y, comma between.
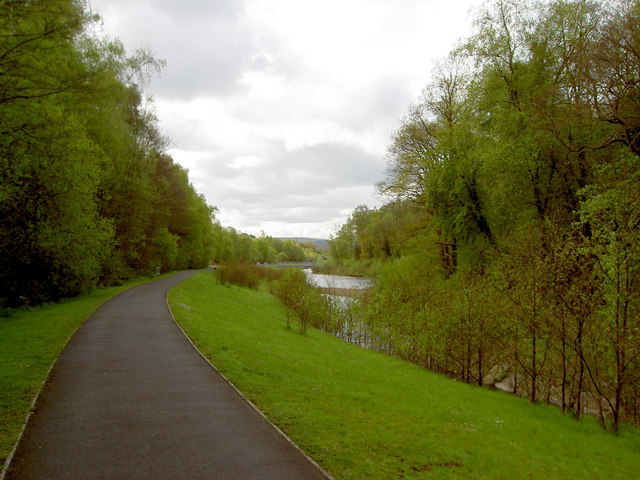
x: 30, y: 342
x: 364, y: 415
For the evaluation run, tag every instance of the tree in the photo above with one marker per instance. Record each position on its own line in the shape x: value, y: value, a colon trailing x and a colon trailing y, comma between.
x: 37, y: 55
x: 52, y: 238
x: 88, y: 195
x: 521, y: 157
x: 613, y: 213
x: 616, y: 77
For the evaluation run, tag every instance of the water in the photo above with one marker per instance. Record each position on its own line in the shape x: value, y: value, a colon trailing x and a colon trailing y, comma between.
x: 337, y: 281
x: 346, y: 323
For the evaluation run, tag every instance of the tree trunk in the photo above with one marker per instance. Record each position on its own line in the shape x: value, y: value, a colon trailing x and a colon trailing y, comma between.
x: 534, y: 366
x: 564, y: 366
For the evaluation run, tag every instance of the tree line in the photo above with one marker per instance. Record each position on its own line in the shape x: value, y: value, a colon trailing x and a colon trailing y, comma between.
x: 232, y: 246
x: 509, y: 254
x: 89, y: 195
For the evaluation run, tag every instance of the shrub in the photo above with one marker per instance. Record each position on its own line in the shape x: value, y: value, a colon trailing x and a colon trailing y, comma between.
x: 246, y: 275
x: 303, y: 302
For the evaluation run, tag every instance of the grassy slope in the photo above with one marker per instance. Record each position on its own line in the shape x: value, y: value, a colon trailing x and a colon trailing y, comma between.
x: 30, y: 342
x: 364, y: 415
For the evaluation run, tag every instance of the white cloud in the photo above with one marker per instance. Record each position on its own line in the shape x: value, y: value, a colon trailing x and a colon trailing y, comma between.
x: 248, y: 161
x: 282, y: 110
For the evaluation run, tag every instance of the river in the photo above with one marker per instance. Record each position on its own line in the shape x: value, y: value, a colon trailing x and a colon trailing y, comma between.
x: 337, y: 281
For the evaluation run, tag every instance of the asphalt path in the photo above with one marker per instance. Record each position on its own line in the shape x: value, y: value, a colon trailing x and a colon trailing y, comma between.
x: 130, y: 398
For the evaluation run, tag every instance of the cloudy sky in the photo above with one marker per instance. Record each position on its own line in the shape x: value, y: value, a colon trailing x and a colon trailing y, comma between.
x: 282, y: 110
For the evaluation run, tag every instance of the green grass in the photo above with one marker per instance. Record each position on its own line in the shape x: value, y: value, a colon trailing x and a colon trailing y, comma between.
x: 364, y: 415
x: 30, y: 342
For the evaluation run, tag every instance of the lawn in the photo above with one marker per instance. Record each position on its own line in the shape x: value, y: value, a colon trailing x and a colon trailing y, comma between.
x: 30, y: 342
x: 364, y: 415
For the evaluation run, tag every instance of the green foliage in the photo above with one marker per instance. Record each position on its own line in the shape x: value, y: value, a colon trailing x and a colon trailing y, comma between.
x: 302, y: 301
x: 377, y: 234
x: 234, y: 246
x: 88, y: 195
x: 517, y: 263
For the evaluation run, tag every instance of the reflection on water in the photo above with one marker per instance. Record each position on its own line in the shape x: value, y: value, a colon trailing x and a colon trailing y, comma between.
x: 337, y: 281
x: 346, y: 321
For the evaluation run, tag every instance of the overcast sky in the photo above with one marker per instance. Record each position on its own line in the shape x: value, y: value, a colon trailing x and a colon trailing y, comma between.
x: 282, y: 110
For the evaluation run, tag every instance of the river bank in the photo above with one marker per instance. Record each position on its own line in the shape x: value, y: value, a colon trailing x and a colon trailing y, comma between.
x: 333, y: 398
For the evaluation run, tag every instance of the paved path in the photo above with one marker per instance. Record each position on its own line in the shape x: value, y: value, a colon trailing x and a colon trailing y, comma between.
x: 131, y: 399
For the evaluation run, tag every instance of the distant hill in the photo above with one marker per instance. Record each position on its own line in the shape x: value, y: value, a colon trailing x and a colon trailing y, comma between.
x: 321, y: 243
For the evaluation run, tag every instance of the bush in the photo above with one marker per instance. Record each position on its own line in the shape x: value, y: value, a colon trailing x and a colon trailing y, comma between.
x: 246, y: 275
x: 303, y: 302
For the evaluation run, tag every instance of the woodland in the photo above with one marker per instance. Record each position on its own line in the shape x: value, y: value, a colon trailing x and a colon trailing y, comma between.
x: 508, y: 253
x: 89, y: 195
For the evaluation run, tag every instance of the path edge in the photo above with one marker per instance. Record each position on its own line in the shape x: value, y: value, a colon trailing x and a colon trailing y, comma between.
x: 36, y: 397
x: 243, y: 397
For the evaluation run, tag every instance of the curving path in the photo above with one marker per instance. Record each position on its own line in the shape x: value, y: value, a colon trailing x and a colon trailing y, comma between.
x: 130, y: 398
